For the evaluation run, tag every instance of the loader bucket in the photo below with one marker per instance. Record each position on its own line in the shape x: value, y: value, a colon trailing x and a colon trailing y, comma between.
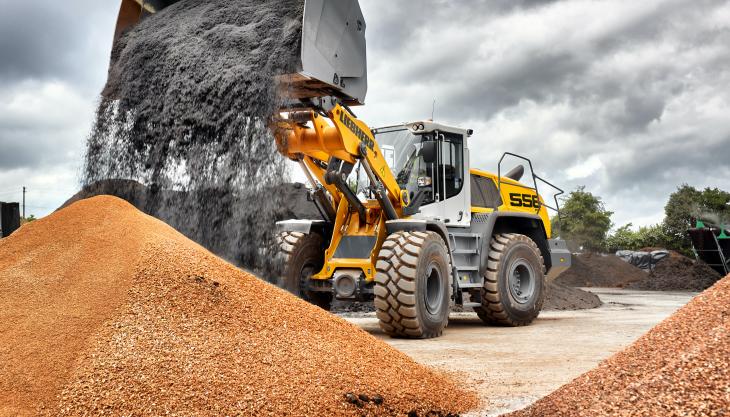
x: 333, y: 54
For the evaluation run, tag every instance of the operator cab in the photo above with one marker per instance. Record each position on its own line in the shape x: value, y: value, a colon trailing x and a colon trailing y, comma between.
x: 431, y: 162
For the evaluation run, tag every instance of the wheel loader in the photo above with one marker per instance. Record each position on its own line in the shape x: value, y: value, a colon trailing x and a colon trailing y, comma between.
x: 406, y: 221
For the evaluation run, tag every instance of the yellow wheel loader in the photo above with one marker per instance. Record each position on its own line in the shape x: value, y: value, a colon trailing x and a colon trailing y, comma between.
x: 405, y: 220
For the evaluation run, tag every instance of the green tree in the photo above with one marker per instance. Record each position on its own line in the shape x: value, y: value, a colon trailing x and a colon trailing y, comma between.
x: 714, y: 206
x: 688, y: 204
x: 651, y: 236
x: 622, y: 238
x: 584, y: 220
x: 626, y: 238
x: 27, y: 219
x: 679, y: 215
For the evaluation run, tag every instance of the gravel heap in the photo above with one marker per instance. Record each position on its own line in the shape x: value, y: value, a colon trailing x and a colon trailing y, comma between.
x: 107, y: 311
x: 562, y: 297
x: 186, y: 107
x: 597, y: 270
x: 679, y: 368
x: 678, y: 273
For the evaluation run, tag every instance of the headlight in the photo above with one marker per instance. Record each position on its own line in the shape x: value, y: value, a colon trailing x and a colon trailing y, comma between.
x: 418, y: 126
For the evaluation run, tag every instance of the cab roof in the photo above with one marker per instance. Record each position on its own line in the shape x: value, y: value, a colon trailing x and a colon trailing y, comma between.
x: 424, y: 126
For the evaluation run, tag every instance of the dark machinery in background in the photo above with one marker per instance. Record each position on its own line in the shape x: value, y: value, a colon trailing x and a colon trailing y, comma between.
x: 9, y: 218
x: 711, y: 244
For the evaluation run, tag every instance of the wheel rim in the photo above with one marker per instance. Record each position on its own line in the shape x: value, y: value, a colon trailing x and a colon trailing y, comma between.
x: 433, y: 289
x: 521, y: 281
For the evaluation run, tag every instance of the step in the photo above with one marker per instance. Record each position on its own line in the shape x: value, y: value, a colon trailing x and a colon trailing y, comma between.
x: 464, y: 234
x: 467, y: 268
x: 465, y: 251
x: 463, y: 285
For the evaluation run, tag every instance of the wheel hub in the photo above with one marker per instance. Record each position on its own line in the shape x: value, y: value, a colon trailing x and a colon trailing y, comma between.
x: 433, y: 289
x: 521, y: 281
x: 304, y: 276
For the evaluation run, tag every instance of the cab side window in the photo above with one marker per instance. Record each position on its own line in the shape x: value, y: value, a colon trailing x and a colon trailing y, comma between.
x: 451, y: 167
x: 484, y: 192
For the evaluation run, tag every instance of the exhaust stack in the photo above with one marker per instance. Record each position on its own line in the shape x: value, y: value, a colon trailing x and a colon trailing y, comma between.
x: 333, y: 58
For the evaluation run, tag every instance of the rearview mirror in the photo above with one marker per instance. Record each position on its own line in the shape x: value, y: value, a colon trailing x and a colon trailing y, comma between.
x: 428, y: 152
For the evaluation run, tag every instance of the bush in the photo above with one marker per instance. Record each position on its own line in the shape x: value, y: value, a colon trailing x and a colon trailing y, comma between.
x: 624, y: 238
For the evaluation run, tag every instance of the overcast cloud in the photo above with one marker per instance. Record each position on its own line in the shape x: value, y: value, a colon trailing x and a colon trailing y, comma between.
x: 630, y: 99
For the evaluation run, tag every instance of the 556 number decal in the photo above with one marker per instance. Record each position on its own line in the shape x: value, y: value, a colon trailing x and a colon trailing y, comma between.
x: 524, y: 200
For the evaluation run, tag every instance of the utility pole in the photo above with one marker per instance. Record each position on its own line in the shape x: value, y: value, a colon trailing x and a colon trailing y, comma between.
x: 24, y: 202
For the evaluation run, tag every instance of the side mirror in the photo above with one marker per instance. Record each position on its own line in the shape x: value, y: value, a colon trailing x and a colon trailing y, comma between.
x: 428, y: 151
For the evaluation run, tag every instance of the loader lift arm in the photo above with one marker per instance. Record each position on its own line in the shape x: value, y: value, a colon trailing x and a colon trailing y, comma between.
x: 330, y: 152
x: 328, y: 140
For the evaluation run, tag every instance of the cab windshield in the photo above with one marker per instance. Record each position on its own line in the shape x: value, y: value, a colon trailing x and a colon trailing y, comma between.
x: 431, y: 164
x: 403, y: 151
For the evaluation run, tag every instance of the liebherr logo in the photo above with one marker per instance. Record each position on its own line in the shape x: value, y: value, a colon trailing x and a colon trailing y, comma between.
x: 356, y: 130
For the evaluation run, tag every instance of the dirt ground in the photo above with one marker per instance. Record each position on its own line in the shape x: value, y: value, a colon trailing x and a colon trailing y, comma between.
x: 512, y: 367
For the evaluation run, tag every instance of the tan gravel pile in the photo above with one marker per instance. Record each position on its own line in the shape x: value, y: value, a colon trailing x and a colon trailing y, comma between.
x: 106, y: 311
x: 679, y: 368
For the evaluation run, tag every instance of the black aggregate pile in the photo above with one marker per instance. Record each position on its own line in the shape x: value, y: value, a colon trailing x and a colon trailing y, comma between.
x: 185, y: 112
x: 598, y: 270
x: 562, y: 297
x: 678, y: 273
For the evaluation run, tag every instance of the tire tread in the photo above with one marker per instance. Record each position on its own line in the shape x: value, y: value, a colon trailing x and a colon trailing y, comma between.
x: 289, y: 244
x: 492, y: 310
x: 395, y: 292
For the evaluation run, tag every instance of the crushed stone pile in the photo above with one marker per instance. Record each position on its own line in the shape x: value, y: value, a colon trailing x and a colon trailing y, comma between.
x: 186, y: 107
x: 678, y: 273
x: 597, y: 270
x: 108, y: 311
x: 679, y: 368
x: 562, y: 297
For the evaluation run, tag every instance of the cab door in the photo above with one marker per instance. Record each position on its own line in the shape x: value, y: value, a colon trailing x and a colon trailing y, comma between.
x: 450, y: 182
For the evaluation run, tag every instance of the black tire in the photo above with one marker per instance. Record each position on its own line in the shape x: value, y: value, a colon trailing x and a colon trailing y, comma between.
x: 303, y: 256
x: 413, y: 285
x: 513, y: 258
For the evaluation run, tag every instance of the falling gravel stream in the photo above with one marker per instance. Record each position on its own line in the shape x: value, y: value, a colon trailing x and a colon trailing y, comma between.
x: 184, y: 112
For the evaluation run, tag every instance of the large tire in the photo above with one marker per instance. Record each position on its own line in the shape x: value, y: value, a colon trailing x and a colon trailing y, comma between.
x: 514, y: 285
x: 413, y: 285
x: 303, y: 256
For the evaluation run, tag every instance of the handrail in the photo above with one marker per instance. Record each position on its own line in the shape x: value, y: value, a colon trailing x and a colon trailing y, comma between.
x: 535, y: 179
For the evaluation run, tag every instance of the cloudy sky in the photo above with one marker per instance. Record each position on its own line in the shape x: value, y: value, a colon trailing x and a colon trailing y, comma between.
x: 629, y: 98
